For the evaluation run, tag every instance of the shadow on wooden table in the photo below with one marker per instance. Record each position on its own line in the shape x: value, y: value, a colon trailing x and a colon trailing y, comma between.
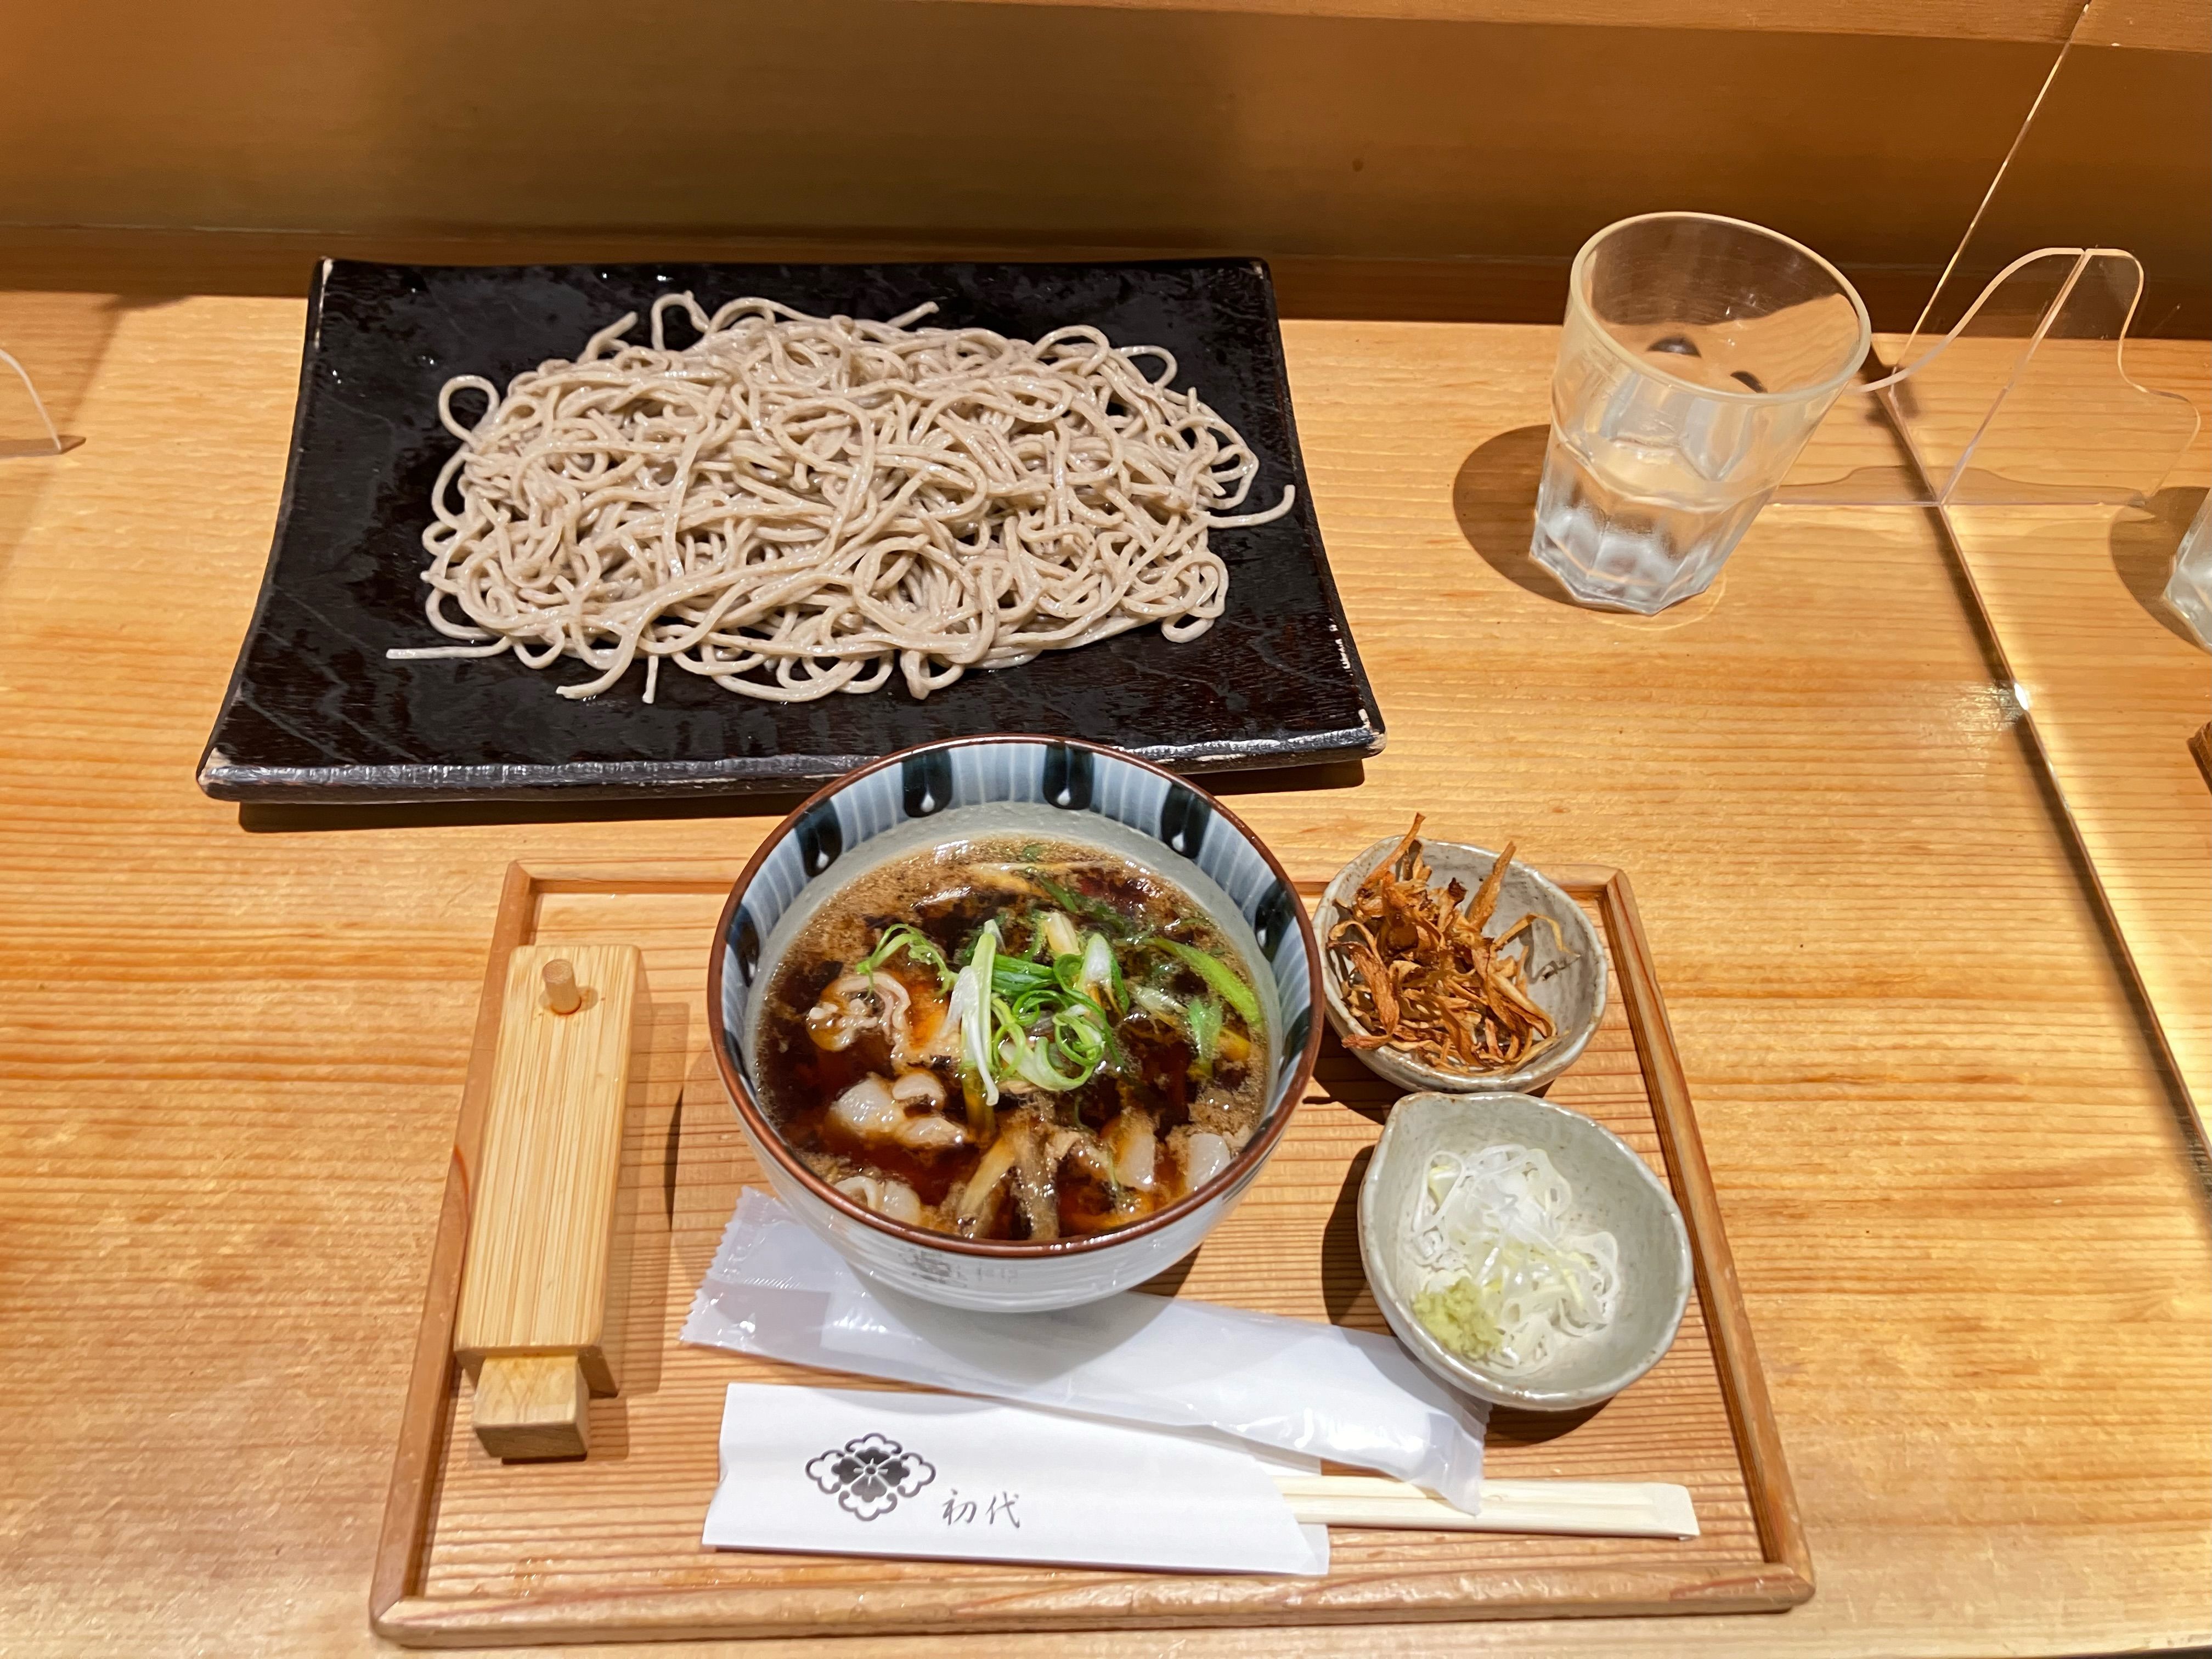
x: 1344, y: 1287
x: 1509, y: 1426
x: 2143, y: 550
x: 1494, y: 499
x: 281, y: 817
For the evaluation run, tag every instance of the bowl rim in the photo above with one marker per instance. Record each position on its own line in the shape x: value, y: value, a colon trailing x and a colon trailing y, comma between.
x: 1465, y: 1374
x: 766, y: 1137
x: 1532, y: 1073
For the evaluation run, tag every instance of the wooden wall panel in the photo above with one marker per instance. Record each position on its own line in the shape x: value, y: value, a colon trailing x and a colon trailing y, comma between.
x: 869, y: 122
x: 2169, y: 25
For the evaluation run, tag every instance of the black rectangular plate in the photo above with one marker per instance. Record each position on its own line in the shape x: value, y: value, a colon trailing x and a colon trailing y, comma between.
x: 316, y: 712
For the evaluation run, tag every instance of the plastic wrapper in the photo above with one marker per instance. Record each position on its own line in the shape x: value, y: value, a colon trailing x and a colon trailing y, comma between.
x: 1313, y: 1391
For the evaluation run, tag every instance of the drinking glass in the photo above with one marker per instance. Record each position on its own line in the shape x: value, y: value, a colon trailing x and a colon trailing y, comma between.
x: 1699, y: 354
x: 2188, y: 590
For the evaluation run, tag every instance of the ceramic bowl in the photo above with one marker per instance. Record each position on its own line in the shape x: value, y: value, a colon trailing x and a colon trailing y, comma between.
x: 1028, y: 786
x: 1569, y: 987
x: 1614, y: 1190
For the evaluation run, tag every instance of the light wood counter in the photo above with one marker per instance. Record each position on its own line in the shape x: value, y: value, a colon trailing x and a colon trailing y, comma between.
x: 1961, y: 1200
x: 2116, y: 689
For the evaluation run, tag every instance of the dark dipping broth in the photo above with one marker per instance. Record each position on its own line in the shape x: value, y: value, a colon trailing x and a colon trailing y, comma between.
x: 1126, y: 1045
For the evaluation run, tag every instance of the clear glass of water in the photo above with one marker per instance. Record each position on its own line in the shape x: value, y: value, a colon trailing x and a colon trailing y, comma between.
x: 1699, y: 354
x: 2188, y: 590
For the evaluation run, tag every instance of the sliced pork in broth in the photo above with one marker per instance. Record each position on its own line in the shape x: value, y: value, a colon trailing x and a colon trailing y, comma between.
x: 1013, y: 1041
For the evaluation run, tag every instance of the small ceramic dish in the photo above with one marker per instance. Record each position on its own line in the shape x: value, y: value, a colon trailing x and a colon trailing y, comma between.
x: 1568, y: 986
x: 1614, y: 1190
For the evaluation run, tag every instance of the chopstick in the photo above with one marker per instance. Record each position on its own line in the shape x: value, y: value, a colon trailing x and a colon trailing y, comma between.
x: 1590, y: 1508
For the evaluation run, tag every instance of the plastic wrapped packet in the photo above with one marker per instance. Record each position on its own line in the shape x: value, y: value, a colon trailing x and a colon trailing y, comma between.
x: 1317, y: 1390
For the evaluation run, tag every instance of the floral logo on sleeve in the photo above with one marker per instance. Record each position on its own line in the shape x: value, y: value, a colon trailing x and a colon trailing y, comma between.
x: 869, y: 1475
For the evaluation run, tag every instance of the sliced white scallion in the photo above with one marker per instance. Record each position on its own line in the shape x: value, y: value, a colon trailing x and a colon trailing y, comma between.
x: 1096, y: 979
x: 1157, y: 1002
x: 970, y: 1006
x: 1503, y: 1280
x: 1060, y: 933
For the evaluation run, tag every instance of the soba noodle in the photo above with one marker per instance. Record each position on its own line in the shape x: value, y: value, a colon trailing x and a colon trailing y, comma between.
x: 793, y: 506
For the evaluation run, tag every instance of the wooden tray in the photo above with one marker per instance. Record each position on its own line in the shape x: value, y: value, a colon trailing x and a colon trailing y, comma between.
x: 477, y: 1552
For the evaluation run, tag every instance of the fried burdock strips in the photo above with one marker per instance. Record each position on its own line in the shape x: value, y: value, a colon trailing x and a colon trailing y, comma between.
x: 1421, y: 976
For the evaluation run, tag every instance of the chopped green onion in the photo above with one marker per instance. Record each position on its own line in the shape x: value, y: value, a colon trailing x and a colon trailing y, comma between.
x: 1218, y: 975
x: 1079, y: 1032
x: 1075, y: 903
x: 1038, y: 1002
x: 1029, y: 1059
x: 1027, y: 1019
x: 1011, y: 974
x: 915, y: 944
x: 1205, y: 1019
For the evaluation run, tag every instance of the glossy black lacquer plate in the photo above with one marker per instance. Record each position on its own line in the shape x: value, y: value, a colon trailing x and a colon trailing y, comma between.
x: 315, y: 712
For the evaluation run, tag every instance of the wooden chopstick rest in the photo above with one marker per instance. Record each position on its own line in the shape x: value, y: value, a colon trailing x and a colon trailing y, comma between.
x: 531, y: 1327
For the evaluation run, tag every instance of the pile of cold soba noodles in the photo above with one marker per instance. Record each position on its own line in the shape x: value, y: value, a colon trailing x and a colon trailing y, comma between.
x: 792, y: 506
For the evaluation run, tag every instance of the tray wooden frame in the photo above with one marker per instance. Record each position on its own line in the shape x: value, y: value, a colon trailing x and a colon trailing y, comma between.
x: 1048, y: 1599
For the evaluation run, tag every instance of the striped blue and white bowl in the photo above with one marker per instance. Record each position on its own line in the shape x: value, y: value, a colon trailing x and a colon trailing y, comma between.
x: 1032, y: 786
